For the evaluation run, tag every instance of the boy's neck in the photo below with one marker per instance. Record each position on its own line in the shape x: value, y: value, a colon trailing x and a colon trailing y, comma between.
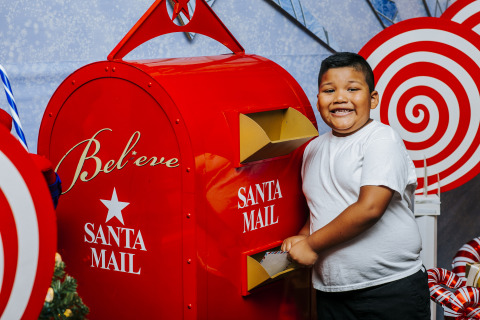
x: 338, y: 134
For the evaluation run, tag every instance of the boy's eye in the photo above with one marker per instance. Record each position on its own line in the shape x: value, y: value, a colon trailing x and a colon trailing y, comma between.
x: 353, y: 89
x: 328, y: 90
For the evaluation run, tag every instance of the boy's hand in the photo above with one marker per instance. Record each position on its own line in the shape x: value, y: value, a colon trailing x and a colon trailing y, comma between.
x: 302, y: 253
x: 289, y: 242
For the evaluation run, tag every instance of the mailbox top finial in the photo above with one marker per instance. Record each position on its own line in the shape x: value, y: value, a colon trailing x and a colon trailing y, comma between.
x: 156, y: 22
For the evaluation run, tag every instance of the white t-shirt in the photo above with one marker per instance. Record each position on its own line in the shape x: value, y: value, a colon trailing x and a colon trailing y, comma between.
x: 334, y: 169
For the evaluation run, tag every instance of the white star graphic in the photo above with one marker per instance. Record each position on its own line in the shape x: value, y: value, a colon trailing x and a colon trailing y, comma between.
x: 114, y: 207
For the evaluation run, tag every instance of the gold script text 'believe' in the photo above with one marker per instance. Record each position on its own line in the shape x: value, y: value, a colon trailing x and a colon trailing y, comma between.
x: 111, y: 164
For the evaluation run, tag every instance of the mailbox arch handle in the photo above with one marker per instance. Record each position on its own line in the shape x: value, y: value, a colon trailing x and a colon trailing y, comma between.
x: 156, y: 22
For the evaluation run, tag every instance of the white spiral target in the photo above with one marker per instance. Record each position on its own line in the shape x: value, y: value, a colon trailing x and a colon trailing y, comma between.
x: 426, y: 72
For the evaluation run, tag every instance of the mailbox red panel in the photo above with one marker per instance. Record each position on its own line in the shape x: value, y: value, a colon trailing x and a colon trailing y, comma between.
x: 158, y: 211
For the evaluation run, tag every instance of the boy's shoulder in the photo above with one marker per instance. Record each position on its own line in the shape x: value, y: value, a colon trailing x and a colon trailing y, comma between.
x: 382, y: 131
x: 322, y: 138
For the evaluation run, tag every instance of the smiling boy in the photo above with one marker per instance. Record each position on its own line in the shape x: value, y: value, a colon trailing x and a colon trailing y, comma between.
x: 361, y: 236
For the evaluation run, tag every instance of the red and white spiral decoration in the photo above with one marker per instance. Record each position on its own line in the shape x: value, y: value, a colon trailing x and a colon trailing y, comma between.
x: 27, y: 233
x: 426, y: 72
x: 466, y: 12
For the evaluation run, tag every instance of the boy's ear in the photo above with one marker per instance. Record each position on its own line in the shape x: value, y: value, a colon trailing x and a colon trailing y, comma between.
x: 374, y: 99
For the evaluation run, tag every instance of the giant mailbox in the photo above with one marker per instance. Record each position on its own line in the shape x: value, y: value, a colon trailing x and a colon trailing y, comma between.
x: 178, y: 175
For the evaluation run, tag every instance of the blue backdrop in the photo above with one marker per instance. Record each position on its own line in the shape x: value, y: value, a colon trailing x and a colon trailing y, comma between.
x: 44, y: 41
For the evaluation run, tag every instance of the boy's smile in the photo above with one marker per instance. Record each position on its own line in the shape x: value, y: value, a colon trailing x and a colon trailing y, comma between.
x: 344, y: 100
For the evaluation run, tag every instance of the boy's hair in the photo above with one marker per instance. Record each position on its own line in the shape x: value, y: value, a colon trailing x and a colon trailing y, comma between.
x: 348, y: 59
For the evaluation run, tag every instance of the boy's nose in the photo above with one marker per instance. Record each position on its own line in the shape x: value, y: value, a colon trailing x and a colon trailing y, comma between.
x: 340, y: 97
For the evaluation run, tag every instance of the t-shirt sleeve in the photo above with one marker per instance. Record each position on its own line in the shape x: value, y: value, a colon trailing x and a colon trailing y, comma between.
x: 386, y: 163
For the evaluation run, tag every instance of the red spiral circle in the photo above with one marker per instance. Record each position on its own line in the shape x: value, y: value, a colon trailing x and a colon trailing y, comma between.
x: 426, y: 72
x: 465, y: 12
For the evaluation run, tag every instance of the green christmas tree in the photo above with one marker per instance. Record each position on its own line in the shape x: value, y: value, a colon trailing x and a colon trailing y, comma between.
x: 62, y: 301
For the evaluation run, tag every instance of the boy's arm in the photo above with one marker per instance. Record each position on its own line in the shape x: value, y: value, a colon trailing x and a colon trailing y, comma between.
x: 302, y: 234
x: 355, y: 219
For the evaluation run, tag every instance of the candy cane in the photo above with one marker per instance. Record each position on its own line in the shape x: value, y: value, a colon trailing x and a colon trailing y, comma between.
x: 465, y: 303
x: 438, y: 277
x: 460, y: 305
x: 426, y: 72
x: 13, y: 107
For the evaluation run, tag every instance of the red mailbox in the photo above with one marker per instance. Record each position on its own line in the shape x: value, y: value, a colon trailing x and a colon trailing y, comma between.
x: 178, y: 175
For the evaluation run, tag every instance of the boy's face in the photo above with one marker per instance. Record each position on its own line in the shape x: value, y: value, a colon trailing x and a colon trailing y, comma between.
x: 344, y: 100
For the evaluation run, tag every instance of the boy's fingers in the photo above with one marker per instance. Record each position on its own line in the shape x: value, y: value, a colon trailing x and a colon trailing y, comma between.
x: 287, y: 244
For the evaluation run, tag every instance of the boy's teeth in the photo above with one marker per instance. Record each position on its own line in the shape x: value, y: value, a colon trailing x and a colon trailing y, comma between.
x: 341, y: 111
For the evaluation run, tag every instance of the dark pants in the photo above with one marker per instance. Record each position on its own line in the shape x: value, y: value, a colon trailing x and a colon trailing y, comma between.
x: 405, y: 299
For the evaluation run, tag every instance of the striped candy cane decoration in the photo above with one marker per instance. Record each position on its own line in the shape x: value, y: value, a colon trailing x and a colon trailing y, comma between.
x: 461, y: 304
x: 13, y: 107
x: 466, y: 304
x: 438, y: 277
x: 426, y: 71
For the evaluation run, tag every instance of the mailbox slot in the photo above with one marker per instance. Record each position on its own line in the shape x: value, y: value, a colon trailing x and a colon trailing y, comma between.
x: 274, y: 133
x: 254, y: 275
